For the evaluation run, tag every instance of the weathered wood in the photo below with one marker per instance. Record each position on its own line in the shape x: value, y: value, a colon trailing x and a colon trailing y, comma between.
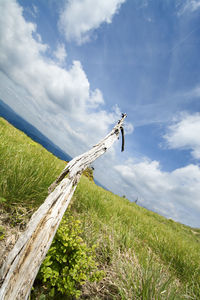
x: 23, y: 262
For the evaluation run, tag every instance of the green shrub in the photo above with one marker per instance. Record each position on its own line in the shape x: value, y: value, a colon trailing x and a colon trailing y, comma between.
x: 69, y: 262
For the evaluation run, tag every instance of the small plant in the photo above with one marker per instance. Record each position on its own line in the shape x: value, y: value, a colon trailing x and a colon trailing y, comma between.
x: 2, y: 233
x: 89, y: 173
x: 2, y: 200
x: 69, y: 262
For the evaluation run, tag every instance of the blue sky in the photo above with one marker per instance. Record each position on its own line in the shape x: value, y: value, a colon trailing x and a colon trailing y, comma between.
x: 71, y: 67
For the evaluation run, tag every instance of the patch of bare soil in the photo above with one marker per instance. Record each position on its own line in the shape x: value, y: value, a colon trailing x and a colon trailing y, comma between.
x: 12, y: 224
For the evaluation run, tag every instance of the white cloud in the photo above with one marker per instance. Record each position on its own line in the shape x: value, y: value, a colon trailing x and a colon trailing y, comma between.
x: 60, y: 99
x: 128, y: 128
x: 195, y: 92
x: 184, y: 134
x: 188, y: 6
x: 96, y: 98
x: 34, y: 12
x: 60, y: 53
x: 62, y: 105
x: 80, y: 17
x: 22, y: 59
x: 173, y: 194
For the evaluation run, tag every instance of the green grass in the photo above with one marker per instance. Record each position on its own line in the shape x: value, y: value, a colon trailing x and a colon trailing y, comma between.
x: 143, y: 255
x: 157, y: 253
x: 27, y: 169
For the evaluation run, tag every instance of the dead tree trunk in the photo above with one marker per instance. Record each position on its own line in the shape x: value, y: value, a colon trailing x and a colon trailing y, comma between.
x: 23, y: 262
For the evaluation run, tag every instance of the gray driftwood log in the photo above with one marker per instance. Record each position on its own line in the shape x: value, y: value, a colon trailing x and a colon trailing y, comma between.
x: 23, y: 262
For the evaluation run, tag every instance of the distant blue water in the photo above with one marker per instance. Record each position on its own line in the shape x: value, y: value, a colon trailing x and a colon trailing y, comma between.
x: 12, y: 117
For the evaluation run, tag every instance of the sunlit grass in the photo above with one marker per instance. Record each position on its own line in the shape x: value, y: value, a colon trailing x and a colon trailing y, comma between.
x: 168, y: 253
x: 27, y: 169
x: 144, y: 255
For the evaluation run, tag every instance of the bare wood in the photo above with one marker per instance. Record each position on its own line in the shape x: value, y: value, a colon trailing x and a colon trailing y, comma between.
x: 23, y: 262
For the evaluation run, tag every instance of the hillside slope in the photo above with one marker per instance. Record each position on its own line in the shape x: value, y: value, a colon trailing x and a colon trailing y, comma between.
x: 143, y: 255
x: 13, y: 118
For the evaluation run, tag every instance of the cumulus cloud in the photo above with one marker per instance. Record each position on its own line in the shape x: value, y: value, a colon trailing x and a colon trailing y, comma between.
x: 96, y: 98
x: 22, y: 59
x: 172, y: 194
x: 60, y: 53
x: 60, y: 98
x: 80, y: 17
x: 60, y: 102
x: 184, y: 134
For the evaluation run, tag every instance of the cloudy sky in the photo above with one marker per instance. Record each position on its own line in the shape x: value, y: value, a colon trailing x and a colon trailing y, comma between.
x: 70, y: 67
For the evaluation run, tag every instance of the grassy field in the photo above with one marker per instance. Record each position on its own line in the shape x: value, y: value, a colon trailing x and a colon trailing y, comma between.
x: 143, y: 255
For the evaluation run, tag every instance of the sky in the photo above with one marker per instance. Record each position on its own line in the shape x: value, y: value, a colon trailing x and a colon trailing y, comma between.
x: 71, y: 67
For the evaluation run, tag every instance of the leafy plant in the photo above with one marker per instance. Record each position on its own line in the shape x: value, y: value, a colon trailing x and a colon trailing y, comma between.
x: 2, y: 200
x: 69, y: 262
x: 2, y: 233
x: 89, y: 173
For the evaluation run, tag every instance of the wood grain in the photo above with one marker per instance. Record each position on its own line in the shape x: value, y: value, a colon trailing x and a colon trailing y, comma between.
x: 23, y: 262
